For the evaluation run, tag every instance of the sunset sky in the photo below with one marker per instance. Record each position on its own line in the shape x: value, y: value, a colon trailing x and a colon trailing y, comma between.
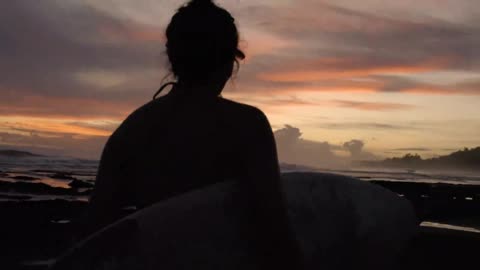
x: 399, y: 76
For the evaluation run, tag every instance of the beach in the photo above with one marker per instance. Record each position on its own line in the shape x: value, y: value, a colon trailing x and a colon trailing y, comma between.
x: 42, y: 201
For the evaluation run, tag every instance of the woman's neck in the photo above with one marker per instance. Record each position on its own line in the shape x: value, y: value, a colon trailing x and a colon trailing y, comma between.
x: 199, y: 90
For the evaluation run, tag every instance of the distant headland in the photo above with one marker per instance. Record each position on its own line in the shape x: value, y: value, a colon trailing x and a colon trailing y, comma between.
x: 16, y: 153
x: 466, y: 159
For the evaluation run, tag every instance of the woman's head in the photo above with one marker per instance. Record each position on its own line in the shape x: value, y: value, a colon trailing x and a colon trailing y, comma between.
x: 202, y: 43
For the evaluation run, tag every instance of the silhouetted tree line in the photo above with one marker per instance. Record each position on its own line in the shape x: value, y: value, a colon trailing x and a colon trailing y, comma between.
x: 463, y: 159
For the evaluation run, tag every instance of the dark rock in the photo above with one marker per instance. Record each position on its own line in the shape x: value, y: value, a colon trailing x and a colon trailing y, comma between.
x: 15, y: 197
x: 62, y: 221
x: 80, y: 184
x: 85, y: 192
x: 35, y: 188
x: 441, y: 202
x: 24, y: 178
x: 29, y: 235
x: 63, y: 176
x: 44, y: 171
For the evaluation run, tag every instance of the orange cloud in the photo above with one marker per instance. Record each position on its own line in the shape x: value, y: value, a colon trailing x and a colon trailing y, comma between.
x: 129, y: 32
x: 65, y: 108
x: 262, y: 43
x: 47, y: 127
x: 284, y: 102
x: 372, y: 106
x: 340, y: 85
x: 331, y: 68
x: 437, y: 90
x: 339, y: 88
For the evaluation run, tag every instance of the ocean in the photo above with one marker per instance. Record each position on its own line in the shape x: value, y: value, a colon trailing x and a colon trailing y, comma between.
x: 46, y: 178
x: 40, y: 177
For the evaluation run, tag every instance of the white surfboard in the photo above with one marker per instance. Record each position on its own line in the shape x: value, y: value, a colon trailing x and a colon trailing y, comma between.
x: 333, y: 217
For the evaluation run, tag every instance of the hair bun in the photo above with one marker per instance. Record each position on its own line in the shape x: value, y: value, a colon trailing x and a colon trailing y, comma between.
x: 201, y: 3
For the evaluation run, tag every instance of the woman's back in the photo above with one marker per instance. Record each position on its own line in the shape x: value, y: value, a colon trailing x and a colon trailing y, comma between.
x: 178, y: 142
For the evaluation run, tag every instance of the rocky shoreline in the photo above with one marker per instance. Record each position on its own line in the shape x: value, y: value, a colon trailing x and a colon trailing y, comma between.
x: 36, y: 230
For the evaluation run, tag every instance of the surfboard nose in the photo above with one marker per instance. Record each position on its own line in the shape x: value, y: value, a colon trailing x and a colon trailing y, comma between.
x: 344, y: 222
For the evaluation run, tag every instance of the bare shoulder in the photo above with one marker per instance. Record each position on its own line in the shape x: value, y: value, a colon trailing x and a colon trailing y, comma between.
x: 134, y: 124
x: 243, y: 111
x: 143, y: 115
x: 145, y: 112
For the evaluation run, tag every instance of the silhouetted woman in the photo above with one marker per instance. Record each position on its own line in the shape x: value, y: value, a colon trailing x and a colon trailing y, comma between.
x: 192, y: 137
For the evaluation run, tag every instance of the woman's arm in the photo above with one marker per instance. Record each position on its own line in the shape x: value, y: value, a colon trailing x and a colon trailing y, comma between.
x: 109, y: 193
x: 277, y: 240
